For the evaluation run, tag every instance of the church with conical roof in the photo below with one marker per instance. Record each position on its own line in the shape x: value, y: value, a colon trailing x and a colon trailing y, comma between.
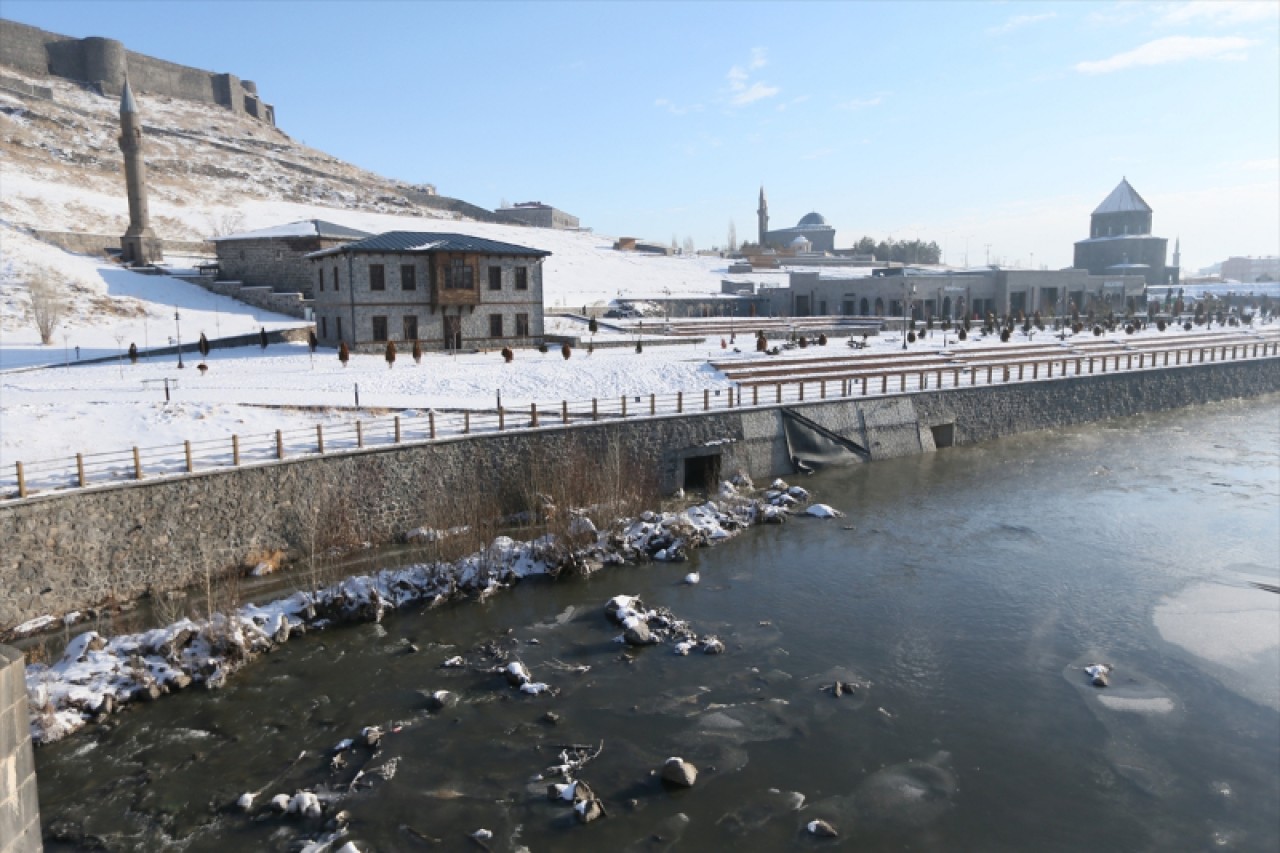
x: 1120, y: 240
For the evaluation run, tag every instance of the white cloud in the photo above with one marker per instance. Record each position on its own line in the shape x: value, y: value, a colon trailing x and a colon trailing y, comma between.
x: 1271, y: 165
x: 1017, y: 22
x: 755, y: 92
x: 1171, y: 49
x: 758, y: 57
x: 738, y: 77
x: 859, y: 103
x: 1219, y: 12
x: 677, y: 109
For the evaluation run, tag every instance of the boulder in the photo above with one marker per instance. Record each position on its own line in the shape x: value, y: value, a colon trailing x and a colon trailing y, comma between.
x: 678, y: 772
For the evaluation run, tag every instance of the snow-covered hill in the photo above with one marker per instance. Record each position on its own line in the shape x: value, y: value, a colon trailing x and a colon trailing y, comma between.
x: 211, y: 172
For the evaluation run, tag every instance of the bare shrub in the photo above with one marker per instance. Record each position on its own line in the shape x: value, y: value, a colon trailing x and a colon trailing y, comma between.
x: 48, y: 304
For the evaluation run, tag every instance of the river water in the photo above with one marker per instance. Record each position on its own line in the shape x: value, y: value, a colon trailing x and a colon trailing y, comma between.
x: 961, y: 597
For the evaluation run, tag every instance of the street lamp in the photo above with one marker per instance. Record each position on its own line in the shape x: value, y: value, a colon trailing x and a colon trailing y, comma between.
x: 178, y: 327
x: 907, y: 293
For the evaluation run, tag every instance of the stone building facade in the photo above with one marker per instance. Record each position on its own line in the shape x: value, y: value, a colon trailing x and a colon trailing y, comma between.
x: 1120, y: 240
x: 104, y: 63
x: 944, y: 294
x: 277, y: 257
x: 539, y: 215
x: 449, y: 291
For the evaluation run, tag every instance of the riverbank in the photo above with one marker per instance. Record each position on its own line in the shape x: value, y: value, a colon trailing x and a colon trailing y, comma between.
x: 97, y: 676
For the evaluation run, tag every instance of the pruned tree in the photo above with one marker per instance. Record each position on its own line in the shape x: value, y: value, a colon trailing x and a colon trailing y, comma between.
x: 593, y: 326
x: 690, y: 247
x: 391, y: 353
x: 204, y: 346
x: 417, y: 351
x: 312, y: 340
x: 733, y: 237
x: 508, y: 355
x: 262, y: 337
x: 133, y: 353
x: 566, y: 351
x: 344, y: 354
x: 48, y: 304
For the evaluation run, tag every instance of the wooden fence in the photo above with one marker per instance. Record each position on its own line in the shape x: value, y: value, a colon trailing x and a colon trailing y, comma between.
x: 87, y: 470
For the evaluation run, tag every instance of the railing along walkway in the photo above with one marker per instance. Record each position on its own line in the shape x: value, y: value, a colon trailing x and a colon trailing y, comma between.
x: 87, y: 470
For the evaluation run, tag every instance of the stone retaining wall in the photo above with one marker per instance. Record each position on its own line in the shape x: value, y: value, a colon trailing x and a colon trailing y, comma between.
x: 75, y: 550
x: 19, y: 811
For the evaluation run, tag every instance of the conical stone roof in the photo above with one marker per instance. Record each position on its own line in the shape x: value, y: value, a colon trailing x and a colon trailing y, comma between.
x: 1123, y: 199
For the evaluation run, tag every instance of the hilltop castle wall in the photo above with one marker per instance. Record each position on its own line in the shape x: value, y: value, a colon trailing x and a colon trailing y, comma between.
x: 103, y: 62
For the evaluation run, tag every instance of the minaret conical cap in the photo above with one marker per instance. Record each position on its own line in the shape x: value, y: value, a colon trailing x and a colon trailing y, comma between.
x: 127, y: 103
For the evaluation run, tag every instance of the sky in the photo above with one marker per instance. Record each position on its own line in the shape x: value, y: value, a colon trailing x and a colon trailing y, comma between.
x: 992, y: 128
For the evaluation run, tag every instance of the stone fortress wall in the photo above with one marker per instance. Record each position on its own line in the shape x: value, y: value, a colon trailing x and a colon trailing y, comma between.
x: 75, y: 550
x: 103, y: 63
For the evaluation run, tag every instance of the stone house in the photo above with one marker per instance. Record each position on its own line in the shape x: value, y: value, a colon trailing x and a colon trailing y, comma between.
x: 449, y: 291
x: 539, y: 215
x: 276, y: 257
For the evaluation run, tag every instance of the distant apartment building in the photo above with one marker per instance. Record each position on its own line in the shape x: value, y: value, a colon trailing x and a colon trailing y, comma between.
x: 1251, y: 270
x: 539, y: 215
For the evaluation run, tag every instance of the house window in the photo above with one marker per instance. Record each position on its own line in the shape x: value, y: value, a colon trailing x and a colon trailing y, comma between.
x: 522, y: 278
x: 377, y: 279
x: 411, y: 327
x: 379, y: 328
x: 322, y: 278
x: 522, y: 325
x: 336, y: 286
x: 459, y: 276
x: 408, y: 278
x: 324, y: 327
x: 495, y: 278
x: 495, y: 325
x: 339, y: 319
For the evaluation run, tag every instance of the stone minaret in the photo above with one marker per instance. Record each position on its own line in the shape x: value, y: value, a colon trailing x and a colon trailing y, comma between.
x: 139, y: 245
x: 762, y: 215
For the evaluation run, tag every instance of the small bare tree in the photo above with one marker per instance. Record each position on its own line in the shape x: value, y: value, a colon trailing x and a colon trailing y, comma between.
x: 48, y: 304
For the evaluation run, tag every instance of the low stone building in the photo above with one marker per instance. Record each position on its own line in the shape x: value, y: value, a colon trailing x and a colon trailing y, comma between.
x: 449, y: 291
x: 276, y: 257
x: 944, y: 294
x: 539, y: 215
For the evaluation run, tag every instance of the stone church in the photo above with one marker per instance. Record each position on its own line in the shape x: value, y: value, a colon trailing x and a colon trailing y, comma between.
x: 1120, y: 240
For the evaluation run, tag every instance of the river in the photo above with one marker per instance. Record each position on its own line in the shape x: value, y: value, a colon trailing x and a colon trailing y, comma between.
x: 959, y: 599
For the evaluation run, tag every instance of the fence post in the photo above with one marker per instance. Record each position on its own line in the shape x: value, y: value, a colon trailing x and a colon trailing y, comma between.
x: 431, y: 423
x: 902, y: 381
x: 778, y: 389
x: 279, y: 444
x: 186, y: 446
x: 884, y: 383
x: 595, y: 409
x: 624, y: 405
x: 1006, y: 373
x: 1128, y: 362
x: 359, y: 434
x: 1021, y: 366
x: 466, y: 422
x: 679, y: 402
x: 22, y: 482
x: 80, y: 468
x: 822, y: 390
x: 989, y: 374
x: 502, y: 419
x: 755, y: 395
x: 922, y: 381
x: 397, y: 429
x: 706, y: 399
x: 533, y: 414
x: 653, y: 404
x: 235, y: 451
x: 864, y: 386
x: 973, y: 375
x: 955, y: 378
x: 564, y: 411
x: 319, y: 438
x: 1035, y: 370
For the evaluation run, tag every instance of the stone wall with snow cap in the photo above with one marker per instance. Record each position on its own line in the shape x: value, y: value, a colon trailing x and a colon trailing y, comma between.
x: 75, y: 550
x: 19, y: 811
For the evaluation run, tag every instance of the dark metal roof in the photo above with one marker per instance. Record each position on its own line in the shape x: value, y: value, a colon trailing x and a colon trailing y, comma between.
x: 428, y: 242
x: 1123, y: 199
x: 332, y: 229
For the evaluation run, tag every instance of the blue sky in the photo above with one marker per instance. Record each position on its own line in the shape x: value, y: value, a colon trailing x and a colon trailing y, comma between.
x: 972, y: 124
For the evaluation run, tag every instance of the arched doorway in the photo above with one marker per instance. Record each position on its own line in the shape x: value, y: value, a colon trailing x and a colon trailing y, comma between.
x: 879, y: 306
x: 946, y: 308
x: 866, y: 308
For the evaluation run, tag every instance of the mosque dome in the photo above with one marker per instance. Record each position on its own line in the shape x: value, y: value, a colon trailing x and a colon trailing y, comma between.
x: 812, y: 219
x: 800, y: 244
